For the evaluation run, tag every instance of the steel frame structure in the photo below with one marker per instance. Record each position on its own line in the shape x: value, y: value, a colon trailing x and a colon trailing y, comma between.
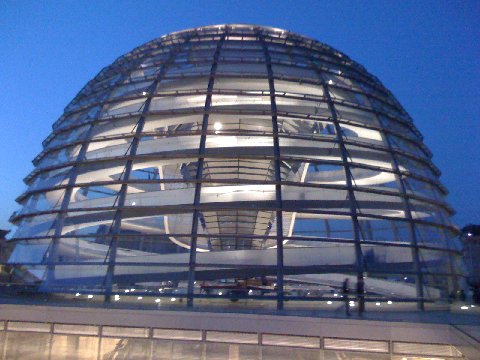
x: 315, y: 159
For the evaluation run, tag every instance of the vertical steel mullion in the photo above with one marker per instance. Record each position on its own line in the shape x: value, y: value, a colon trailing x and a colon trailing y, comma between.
x: 63, y: 207
x: 199, y: 173
x: 70, y: 185
x: 411, y: 224
x: 122, y: 195
x: 278, y: 178
x: 349, y: 178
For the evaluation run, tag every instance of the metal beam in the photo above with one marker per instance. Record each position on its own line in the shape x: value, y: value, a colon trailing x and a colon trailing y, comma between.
x: 199, y: 173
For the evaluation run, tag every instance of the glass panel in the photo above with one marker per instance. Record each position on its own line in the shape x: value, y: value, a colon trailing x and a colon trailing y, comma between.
x: 108, y: 148
x: 66, y: 347
x: 140, y: 284
x: 295, y: 72
x: 167, y: 350
x: 169, y: 145
x: 306, y: 127
x: 283, y: 353
x: 346, y: 355
x: 355, y: 98
x: 170, y: 125
x: 115, y: 348
x: 358, y: 345
x: 415, y: 167
x: 116, y: 127
x: 298, y: 198
x: 385, y: 230
x: 288, y: 340
x: 124, y: 332
x: 305, y: 107
x: 39, y: 225
x: 182, y: 85
x: 68, y: 136
x: 357, y: 115
x: 242, y: 84
x: 425, y: 349
x: 22, y: 346
x: 48, y: 179
x: 239, y: 124
x: 93, y: 222
x: 75, y: 329
x: 296, y: 88
x: 50, y: 200
x: 177, y: 334
x: 232, y: 337
x: 379, y: 204
x: 59, y: 156
x: 239, y: 102
x: 315, y: 150
x: 243, y: 68
x: 88, y: 197
x: 131, y: 89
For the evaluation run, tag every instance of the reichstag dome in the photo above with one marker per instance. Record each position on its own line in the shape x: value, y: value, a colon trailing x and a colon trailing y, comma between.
x: 241, y: 164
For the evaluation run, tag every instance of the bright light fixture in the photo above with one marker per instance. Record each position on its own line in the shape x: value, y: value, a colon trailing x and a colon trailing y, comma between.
x: 157, y: 300
x: 77, y: 294
x: 389, y: 302
x: 90, y: 296
x: 217, y: 126
x: 329, y: 302
x: 173, y: 299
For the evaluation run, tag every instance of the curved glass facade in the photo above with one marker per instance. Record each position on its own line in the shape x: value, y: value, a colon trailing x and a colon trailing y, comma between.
x: 235, y: 162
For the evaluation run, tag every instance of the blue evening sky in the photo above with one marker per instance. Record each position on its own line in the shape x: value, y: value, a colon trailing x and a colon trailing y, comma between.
x: 426, y: 52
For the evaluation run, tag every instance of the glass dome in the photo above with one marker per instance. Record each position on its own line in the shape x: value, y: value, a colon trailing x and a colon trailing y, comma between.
x: 235, y: 162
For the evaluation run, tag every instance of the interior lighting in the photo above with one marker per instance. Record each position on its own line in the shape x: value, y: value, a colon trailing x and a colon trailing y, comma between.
x: 117, y: 297
x: 329, y: 302
x: 389, y: 302
x: 330, y: 82
x: 377, y: 303
x: 469, y: 234
x: 127, y: 291
x: 335, y: 295
x: 90, y: 296
x: 77, y: 294
x: 134, y: 203
x: 139, y: 298
x: 220, y: 293
x: 132, y: 290
x: 251, y: 291
x: 472, y: 306
x: 144, y: 93
x: 217, y: 126
x: 157, y: 300
x: 173, y: 299
x: 464, y: 307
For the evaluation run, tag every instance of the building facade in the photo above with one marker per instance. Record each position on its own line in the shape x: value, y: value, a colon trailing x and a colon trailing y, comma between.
x: 236, y: 163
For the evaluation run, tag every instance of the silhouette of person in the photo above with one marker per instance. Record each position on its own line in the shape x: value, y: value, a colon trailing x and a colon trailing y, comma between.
x: 345, y: 291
